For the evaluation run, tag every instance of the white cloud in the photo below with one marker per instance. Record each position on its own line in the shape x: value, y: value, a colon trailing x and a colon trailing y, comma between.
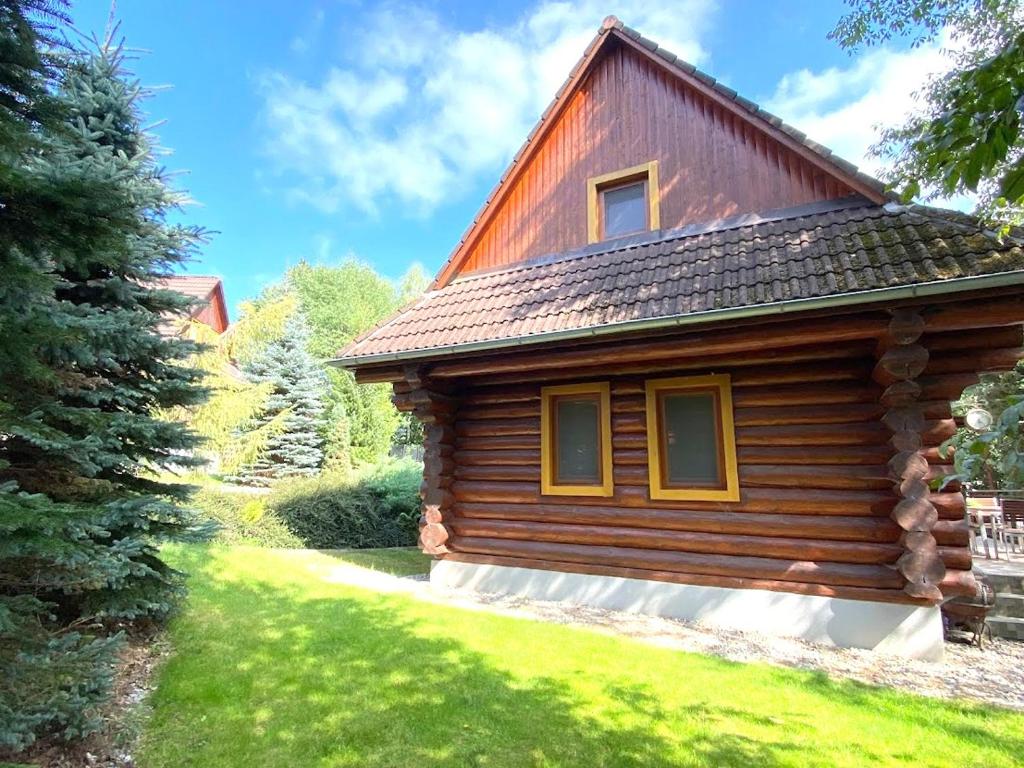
x: 420, y: 110
x: 302, y: 43
x: 846, y: 108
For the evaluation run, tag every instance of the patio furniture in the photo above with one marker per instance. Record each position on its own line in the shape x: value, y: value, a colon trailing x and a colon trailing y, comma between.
x: 1012, y: 530
x: 985, y: 520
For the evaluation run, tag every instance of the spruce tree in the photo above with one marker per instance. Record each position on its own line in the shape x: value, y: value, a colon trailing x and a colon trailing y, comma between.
x: 83, y: 508
x: 294, y: 412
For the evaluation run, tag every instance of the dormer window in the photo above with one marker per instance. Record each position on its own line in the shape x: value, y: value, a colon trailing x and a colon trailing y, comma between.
x: 623, y: 203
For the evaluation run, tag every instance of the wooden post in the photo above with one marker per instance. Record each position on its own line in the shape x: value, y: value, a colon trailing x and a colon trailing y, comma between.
x: 436, y: 410
x: 900, y: 360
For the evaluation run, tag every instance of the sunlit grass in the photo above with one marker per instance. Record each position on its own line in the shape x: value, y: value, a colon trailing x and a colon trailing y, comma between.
x: 276, y: 665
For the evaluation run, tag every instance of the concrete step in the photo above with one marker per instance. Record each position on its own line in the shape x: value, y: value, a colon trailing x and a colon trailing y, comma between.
x: 1009, y: 605
x: 1008, y: 627
x: 1012, y: 583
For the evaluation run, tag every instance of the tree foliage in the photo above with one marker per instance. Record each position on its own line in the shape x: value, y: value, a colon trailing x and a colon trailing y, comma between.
x: 339, y: 302
x: 294, y: 411
x: 234, y: 402
x: 261, y: 322
x: 966, y: 136
x: 83, y: 235
x: 994, y: 457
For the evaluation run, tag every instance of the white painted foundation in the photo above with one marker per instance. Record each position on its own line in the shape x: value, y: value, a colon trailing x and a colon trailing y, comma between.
x: 903, y: 630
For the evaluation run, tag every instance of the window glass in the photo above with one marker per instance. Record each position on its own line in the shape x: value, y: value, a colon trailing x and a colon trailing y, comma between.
x: 625, y: 209
x: 690, y: 451
x: 577, y: 440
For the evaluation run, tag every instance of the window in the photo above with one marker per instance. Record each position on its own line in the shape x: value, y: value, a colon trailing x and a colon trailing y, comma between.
x: 691, y: 447
x: 576, y: 440
x: 624, y: 209
x: 623, y: 203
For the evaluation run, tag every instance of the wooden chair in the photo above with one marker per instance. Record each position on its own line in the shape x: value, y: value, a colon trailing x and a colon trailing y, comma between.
x: 1012, y: 529
x: 984, y: 518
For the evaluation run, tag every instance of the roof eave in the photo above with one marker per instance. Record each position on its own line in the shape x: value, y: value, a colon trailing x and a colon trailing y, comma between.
x: 895, y: 293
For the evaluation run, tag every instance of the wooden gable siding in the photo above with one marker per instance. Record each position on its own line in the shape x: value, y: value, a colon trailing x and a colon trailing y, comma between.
x: 629, y: 111
x: 826, y: 504
x: 213, y: 314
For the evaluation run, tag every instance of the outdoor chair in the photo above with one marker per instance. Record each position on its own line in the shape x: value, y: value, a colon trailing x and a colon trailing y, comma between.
x: 1012, y: 529
x: 985, y: 520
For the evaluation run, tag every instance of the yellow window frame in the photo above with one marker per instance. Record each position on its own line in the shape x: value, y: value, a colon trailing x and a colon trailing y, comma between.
x: 597, y: 184
x: 658, y: 490
x: 548, y: 452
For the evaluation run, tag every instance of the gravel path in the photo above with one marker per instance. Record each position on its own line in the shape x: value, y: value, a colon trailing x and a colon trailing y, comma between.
x: 994, y: 675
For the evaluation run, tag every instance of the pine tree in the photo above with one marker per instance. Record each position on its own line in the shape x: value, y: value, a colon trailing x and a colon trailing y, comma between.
x: 82, y: 507
x: 294, y: 413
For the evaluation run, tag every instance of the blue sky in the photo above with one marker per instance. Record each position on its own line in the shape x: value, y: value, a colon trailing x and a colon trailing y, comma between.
x: 322, y: 130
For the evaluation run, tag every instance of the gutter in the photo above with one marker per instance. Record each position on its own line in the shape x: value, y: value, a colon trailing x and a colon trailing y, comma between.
x: 897, y: 293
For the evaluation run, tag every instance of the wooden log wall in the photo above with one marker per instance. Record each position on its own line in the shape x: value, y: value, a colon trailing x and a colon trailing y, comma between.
x: 822, y: 429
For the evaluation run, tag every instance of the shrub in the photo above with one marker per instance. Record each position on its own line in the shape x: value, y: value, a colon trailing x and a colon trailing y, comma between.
x: 244, y: 519
x: 378, y: 507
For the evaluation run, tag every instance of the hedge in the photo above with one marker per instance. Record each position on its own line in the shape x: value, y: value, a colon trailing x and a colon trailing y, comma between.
x: 378, y: 508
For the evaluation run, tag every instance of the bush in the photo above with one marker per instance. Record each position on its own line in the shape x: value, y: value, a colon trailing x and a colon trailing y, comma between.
x: 244, y: 518
x: 379, y: 507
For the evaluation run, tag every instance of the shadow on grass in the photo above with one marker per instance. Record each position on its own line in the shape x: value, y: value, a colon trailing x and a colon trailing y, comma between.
x: 280, y: 674
x: 396, y: 561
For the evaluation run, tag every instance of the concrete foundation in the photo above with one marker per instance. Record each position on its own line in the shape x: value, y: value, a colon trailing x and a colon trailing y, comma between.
x: 905, y: 630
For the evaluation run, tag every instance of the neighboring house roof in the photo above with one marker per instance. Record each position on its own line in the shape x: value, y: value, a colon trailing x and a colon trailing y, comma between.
x: 614, y: 30
x: 837, y: 253
x: 210, y: 307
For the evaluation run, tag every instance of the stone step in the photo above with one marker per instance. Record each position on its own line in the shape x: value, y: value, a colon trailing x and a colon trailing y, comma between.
x: 1008, y: 627
x: 1009, y: 605
x: 1001, y: 582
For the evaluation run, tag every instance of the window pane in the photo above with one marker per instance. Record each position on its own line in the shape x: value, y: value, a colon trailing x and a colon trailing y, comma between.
x: 690, y: 439
x: 577, y: 431
x: 625, y: 210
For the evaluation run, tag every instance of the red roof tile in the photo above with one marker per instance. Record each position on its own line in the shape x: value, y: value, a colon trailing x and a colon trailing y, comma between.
x: 809, y: 253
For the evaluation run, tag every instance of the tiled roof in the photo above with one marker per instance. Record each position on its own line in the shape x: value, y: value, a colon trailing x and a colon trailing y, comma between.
x: 802, y: 254
x: 196, y: 286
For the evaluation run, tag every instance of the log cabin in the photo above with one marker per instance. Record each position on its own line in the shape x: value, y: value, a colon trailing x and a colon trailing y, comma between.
x: 686, y: 361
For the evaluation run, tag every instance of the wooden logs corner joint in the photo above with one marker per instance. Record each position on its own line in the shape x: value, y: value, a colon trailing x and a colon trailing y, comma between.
x: 901, y: 359
x: 436, y: 412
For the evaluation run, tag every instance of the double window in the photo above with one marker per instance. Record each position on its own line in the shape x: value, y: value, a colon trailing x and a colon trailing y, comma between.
x: 691, y: 448
x: 623, y: 203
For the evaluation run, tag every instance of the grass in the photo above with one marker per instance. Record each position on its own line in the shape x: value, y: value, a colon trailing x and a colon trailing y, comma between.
x: 398, y: 561
x: 276, y: 665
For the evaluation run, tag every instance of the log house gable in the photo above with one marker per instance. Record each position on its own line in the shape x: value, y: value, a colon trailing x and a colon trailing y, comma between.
x: 628, y: 103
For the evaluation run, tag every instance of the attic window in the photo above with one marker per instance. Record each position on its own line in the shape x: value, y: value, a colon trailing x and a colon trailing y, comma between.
x: 623, y: 203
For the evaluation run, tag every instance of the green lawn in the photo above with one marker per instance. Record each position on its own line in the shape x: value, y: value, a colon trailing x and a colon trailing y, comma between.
x: 276, y: 665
